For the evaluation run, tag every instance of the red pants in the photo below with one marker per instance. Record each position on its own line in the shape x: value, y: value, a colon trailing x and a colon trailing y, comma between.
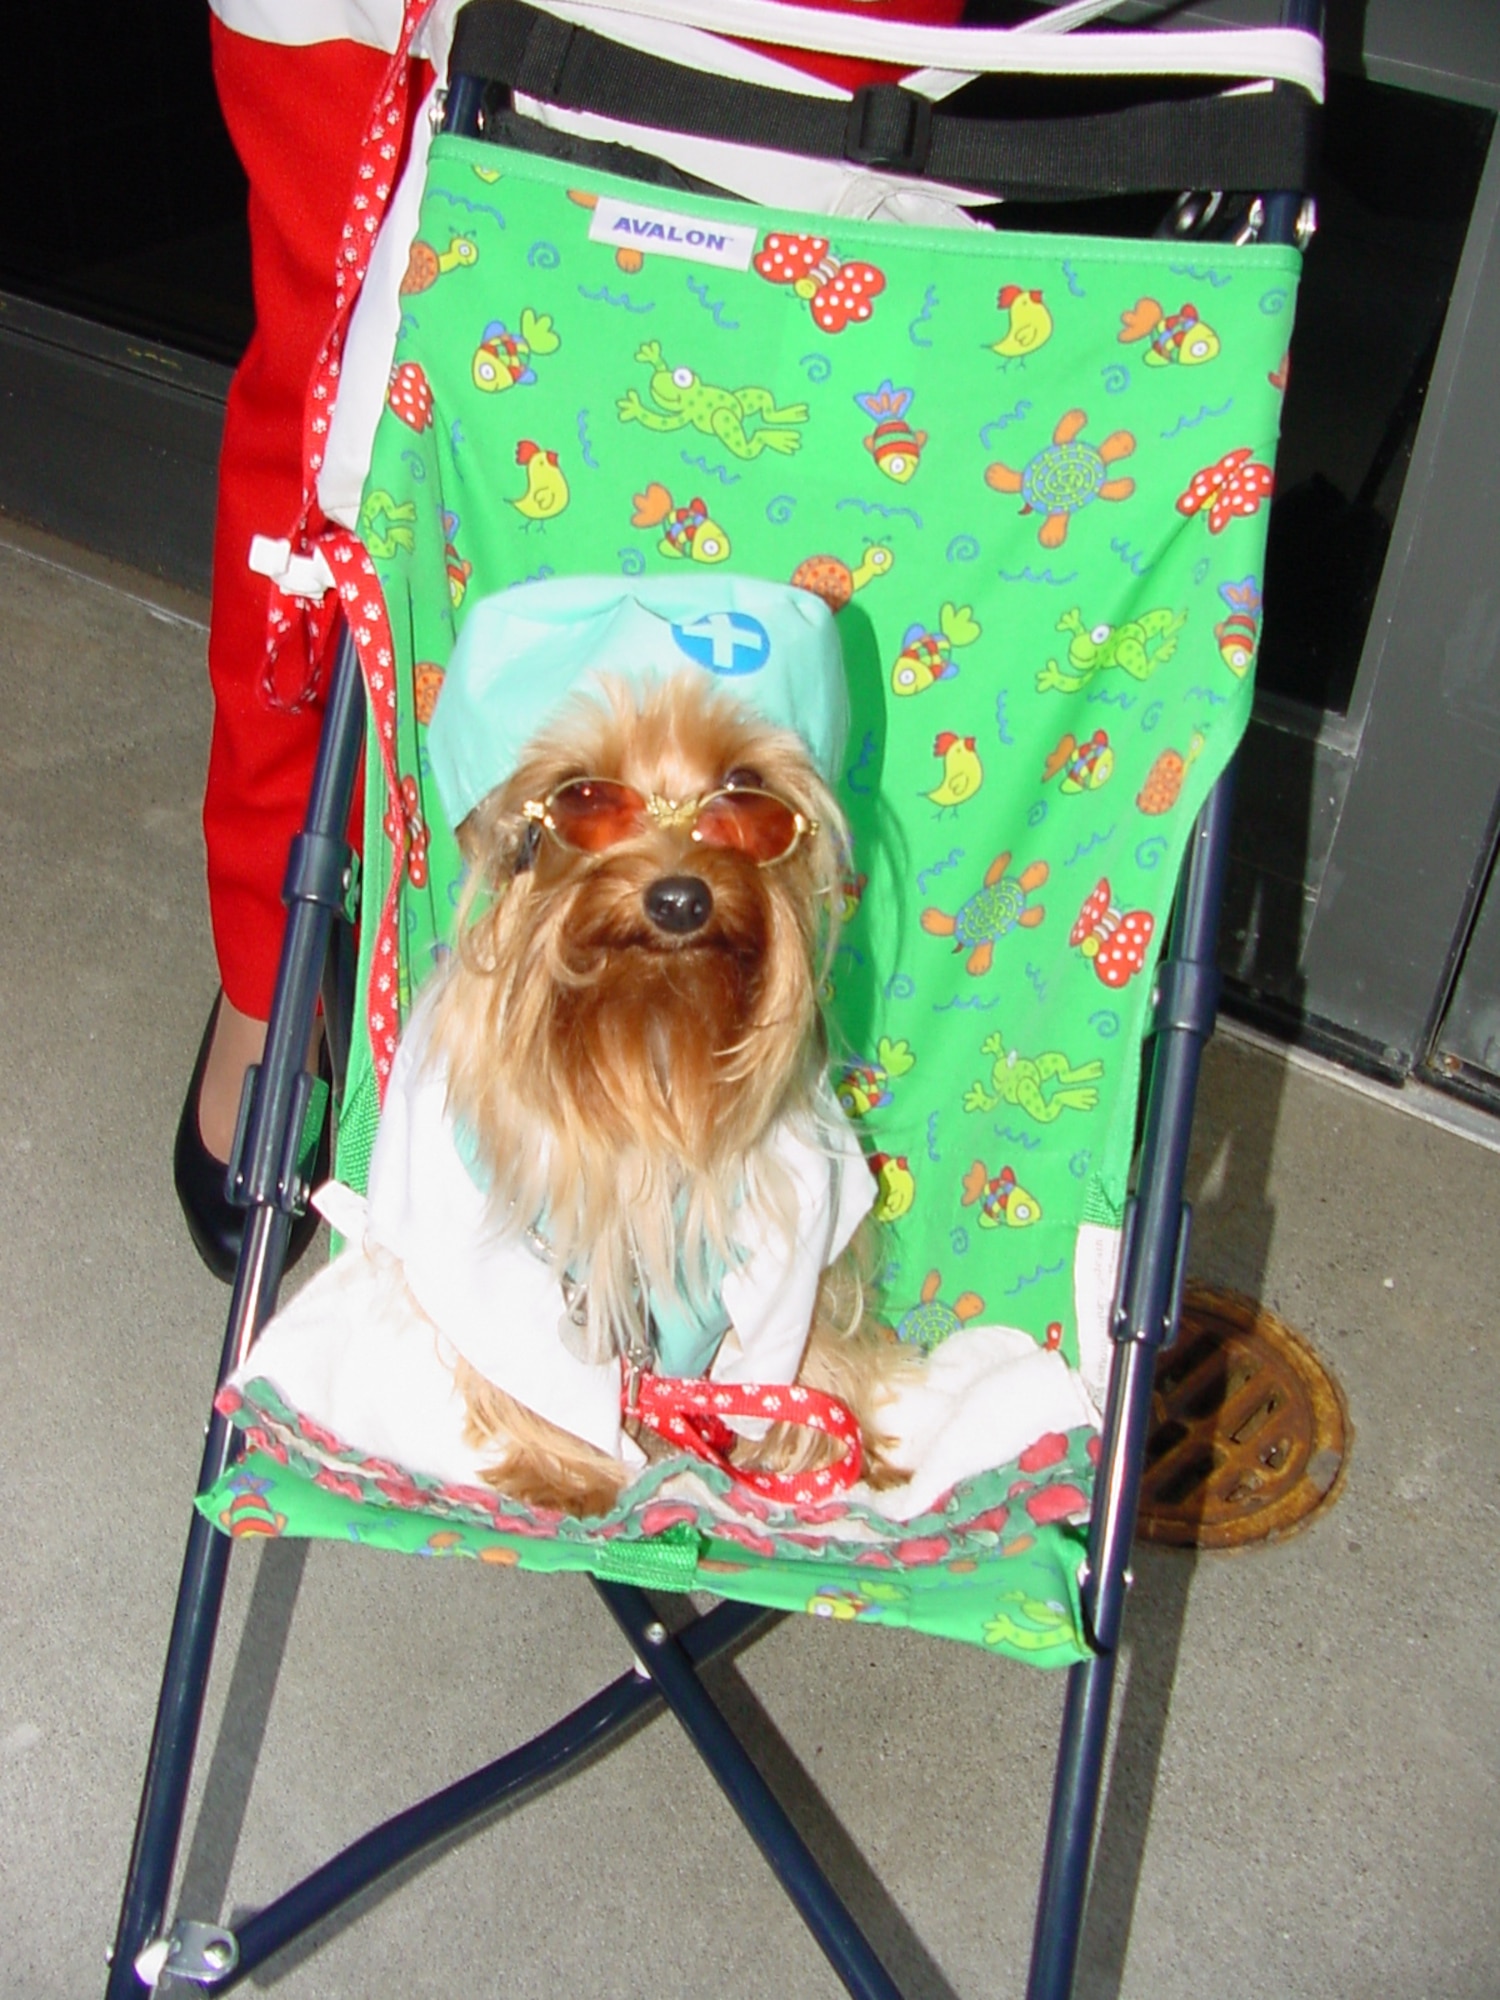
x: 296, y: 116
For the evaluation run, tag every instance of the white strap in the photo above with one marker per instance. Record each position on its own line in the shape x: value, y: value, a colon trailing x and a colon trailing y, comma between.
x: 663, y: 35
x: 342, y: 1209
x: 1063, y: 19
x: 375, y: 24
x: 1289, y: 55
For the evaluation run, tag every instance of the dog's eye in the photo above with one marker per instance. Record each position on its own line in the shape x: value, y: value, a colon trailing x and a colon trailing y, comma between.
x: 743, y: 777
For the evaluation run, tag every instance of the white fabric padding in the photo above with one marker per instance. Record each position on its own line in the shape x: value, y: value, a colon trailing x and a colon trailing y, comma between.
x: 1040, y: 45
x: 1290, y: 54
x: 1096, y: 1269
x: 354, y: 1352
x: 982, y: 1397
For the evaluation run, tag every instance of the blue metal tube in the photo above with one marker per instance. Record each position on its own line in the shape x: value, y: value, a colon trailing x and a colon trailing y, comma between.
x: 844, y: 1945
x: 195, y: 1625
x: 1284, y: 207
x: 1070, y: 1833
x: 545, y: 1759
x: 1145, y: 1319
x: 200, y: 1591
x: 461, y: 111
x: 1148, y: 1297
x: 1150, y: 1286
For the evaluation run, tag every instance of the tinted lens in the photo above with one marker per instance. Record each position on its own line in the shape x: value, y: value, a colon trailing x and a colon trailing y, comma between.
x: 756, y: 824
x: 591, y: 814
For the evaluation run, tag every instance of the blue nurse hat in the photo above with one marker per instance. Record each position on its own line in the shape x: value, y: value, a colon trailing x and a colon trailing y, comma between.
x: 524, y: 651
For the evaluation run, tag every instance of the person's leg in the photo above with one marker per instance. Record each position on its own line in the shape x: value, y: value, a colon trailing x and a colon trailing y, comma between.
x: 296, y: 116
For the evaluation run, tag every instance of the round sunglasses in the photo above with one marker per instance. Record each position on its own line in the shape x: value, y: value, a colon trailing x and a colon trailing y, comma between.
x: 590, y: 815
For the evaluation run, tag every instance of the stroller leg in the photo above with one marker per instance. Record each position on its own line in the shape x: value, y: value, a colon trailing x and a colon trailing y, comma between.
x: 1146, y: 1321
x: 264, y: 1173
x: 169, y: 1768
x: 1152, y: 1270
x: 670, y: 1666
x: 1075, y: 1795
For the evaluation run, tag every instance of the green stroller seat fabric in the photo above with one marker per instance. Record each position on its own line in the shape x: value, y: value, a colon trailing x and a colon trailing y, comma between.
x: 1030, y: 476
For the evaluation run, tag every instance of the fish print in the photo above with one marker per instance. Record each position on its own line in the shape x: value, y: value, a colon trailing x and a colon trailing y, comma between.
x: 1180, y: 337
x: 686, y: 531
x: 895, y: 447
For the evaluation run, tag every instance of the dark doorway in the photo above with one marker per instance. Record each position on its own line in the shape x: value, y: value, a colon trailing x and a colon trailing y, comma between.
x: 124, y: 202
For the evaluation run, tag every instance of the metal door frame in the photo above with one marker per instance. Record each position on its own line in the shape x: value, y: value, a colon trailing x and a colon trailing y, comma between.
x: 1348, y: 928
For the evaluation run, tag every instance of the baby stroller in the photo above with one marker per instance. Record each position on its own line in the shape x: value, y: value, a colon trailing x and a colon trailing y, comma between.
x: 1040, y: 511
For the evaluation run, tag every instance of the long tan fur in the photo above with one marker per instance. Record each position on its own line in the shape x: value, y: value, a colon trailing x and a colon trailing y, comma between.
x: 626, y: 1085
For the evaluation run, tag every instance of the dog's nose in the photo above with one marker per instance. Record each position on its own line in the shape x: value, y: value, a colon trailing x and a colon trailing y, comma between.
x: 679, y: 904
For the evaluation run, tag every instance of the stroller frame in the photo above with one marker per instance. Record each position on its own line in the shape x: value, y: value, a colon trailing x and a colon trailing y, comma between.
x: 316, y: 960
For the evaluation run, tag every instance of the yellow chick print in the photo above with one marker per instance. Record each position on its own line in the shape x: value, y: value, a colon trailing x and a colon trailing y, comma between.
x: 896, y: 1185
x: 1030, y: 323
x: 546, y: 486
x: 963, y: 773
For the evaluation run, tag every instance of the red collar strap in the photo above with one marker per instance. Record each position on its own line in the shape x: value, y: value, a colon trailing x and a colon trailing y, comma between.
x: 690, y: 1414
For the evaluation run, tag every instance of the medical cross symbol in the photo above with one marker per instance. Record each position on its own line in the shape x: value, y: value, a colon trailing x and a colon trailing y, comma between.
x: 726, y: 642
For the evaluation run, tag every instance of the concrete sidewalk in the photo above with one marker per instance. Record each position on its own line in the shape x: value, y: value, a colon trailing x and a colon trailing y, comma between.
x: 1303, y: 1799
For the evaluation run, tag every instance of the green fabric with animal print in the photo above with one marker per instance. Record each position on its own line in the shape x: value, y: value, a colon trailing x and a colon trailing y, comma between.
x: 1031, y: 474
x: 1004, y: 1579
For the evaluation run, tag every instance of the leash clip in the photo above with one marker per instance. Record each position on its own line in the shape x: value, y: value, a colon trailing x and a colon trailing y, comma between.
x: 637, y: 1364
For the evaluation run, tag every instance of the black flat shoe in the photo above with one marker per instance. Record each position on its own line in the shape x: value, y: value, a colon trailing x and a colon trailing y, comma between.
x: 216, y: 1226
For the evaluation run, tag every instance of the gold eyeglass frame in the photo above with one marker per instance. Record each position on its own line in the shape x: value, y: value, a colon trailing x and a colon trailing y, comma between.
x: 674, y: 815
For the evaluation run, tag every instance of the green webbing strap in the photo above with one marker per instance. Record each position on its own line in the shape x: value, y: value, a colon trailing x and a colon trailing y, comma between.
x: 312, y: 1126
x: 359, y: 1112
x: 358, y: 1122
x: 1253, y: 142
x: 668, y: 1561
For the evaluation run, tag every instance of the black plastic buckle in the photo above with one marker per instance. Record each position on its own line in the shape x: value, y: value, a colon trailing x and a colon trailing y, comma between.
x: 888, y: 127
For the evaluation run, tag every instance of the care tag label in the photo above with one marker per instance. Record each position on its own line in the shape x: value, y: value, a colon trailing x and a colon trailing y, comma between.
x: 658, y: 231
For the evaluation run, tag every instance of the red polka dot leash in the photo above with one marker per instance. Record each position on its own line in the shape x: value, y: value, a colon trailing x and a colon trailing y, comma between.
x: 322, y: 568
x: 301, y: 564
x: 692, y: 1415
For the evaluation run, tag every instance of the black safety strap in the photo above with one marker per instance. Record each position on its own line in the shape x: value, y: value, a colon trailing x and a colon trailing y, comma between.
x: 1252, y: 141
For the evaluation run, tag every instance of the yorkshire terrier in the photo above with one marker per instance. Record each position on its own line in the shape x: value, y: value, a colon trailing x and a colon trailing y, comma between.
x: 629, y: 1020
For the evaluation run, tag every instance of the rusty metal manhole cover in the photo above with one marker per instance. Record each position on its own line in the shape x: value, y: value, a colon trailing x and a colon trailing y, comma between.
x: 1249, y: 1431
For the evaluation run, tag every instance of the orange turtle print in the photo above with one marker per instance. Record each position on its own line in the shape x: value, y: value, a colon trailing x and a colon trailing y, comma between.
x: 1065, y: 475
